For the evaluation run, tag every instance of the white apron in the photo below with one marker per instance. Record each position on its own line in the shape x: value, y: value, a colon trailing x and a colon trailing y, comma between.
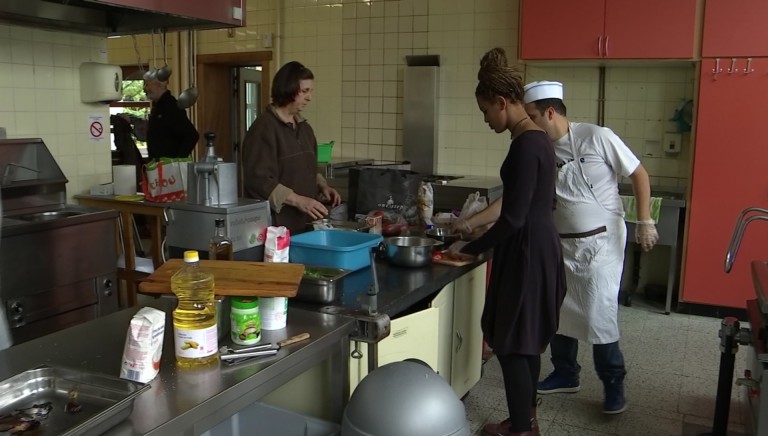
x: 593, y: 264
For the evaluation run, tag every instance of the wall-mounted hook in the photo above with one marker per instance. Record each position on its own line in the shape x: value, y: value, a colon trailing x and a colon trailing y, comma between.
x: 717, y: 70
x: 732, y: 69
x: 749, y: 68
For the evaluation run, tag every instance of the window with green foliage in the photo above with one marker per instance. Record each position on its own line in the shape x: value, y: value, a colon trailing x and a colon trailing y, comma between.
x: 133, y: 91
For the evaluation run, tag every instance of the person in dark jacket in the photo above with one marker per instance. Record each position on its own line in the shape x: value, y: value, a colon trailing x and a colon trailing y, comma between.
x: 527, y: 283
x: 280, y: 155
x: 169, y: 131
x: 126, y: 146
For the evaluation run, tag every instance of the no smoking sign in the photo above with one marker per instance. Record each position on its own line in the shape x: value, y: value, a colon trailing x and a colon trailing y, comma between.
x: 96, y: 127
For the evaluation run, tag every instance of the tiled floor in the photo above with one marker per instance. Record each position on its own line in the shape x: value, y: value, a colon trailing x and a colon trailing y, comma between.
x: 672, y: 364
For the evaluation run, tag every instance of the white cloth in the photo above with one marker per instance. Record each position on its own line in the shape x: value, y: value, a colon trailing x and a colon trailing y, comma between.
x: 593, y: 264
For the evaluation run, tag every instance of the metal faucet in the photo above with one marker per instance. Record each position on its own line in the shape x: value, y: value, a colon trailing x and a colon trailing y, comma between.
x: 8, y: 177
x: 738, y: 233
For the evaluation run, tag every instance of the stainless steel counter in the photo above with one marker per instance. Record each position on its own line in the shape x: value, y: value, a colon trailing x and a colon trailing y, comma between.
x: 669, y: 226
x: 191, y: 402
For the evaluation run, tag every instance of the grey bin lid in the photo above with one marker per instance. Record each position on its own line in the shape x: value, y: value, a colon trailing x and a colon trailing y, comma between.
x: 404, y: 399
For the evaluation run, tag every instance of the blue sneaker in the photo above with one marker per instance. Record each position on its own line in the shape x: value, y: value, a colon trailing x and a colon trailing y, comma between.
x: 614, y: 402
x: 556, y: 383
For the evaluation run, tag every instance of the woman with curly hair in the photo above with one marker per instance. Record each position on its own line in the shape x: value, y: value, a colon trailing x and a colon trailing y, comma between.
x: 527, y: 282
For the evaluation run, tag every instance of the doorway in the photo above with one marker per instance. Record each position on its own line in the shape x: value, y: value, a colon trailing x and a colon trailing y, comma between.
x: 233, y: 87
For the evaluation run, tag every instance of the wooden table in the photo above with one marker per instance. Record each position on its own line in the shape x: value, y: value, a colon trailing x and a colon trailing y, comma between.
x: 155, y: 213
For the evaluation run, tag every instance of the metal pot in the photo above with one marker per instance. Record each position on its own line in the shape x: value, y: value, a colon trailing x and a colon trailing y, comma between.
x: 412, y: 251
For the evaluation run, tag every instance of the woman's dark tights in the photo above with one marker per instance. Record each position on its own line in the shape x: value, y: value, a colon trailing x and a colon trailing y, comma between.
x: 521, y: 373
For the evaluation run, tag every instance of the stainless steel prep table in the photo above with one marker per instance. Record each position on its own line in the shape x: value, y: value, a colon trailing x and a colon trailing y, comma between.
x: 191, y: 402
x: 669, y: 227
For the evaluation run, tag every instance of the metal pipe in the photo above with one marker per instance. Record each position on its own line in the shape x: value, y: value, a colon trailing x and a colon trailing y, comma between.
x: 276, y: 43
x: 729, y: 328
x: 738, y: 233
x: 601, y: 95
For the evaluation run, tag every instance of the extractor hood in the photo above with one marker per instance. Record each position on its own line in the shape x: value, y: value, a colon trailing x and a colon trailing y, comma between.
x: 123, y: 17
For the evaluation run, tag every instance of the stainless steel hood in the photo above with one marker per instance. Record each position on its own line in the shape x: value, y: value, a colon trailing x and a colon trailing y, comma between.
x: 122, y: 17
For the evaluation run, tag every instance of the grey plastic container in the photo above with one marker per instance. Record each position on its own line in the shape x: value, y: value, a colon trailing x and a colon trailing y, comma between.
x: 260, y: 418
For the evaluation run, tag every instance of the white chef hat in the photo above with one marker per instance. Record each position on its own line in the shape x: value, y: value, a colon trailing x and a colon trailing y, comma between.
x: 535, y: 91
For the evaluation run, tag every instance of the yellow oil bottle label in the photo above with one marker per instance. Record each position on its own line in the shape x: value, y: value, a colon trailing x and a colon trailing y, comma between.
x: 196, y: 343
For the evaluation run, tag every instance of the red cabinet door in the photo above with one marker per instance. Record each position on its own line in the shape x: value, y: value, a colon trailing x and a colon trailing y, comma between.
x: 729, y: 175
x: 735, y: 28
x: 561, y: 29
x: 649, y: 29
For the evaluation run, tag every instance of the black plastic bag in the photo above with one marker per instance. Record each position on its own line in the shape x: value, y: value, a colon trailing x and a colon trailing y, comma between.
x: 388, y: 190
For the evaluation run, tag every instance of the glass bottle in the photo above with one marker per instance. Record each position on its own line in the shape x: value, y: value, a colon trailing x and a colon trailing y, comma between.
x: 220, y: 247
x: 195, y: 331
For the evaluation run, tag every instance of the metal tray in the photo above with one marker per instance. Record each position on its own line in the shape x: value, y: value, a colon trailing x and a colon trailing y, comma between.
x: 323, y: 289
x: 105, y: 400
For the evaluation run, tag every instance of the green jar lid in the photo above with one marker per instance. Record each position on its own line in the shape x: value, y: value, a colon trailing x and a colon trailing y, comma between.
x: 245, y: 303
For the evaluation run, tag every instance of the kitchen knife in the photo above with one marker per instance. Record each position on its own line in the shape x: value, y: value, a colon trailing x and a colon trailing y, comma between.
x: 237, y: 357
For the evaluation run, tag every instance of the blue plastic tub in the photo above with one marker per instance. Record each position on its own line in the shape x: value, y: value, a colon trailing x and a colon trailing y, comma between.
x: 333, y: 248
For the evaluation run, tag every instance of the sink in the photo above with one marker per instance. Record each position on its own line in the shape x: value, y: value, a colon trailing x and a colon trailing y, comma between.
x: 47, y: 216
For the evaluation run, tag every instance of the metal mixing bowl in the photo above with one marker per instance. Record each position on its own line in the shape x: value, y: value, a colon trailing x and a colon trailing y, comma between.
x: 443, y: 235
x: 412, y: 251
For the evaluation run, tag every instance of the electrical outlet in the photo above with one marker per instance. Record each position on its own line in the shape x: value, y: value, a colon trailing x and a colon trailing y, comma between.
x: 266, y: 40
x: 672, y: 142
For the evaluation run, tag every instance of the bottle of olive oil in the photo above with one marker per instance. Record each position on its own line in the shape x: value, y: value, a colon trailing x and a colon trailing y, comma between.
x: 194, y: 320
x: 220, y: 247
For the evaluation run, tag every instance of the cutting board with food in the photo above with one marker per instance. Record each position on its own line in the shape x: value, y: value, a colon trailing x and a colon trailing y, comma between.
x: 233, y: 277
x: 443, y: 258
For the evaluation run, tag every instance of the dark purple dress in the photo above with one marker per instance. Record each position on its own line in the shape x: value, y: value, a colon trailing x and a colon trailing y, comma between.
x: 527, y: 283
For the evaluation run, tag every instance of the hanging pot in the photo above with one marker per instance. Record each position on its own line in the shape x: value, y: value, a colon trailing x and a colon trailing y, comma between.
x: 163, y: 73
x: 188, y: 97
x: 151, y: 74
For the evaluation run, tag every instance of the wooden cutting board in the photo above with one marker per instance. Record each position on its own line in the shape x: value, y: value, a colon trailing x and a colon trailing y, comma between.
x: 233, y: 277
x: 449, y: 261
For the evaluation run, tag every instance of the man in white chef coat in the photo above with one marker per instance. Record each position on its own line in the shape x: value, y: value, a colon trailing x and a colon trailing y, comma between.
x: 590, y: 219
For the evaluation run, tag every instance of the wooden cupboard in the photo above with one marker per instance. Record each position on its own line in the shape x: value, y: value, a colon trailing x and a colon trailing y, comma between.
x: 729, y: 167
x: 735, y: 28
x: 467, y: 343
x: 446, y: 335
x: 413, y: 336
x: 602, y: 29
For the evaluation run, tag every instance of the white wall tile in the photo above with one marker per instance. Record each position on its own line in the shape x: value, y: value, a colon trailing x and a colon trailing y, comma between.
x: 39, y: 89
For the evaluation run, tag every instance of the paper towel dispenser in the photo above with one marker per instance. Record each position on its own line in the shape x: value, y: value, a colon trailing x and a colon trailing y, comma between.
x: 100, y: 82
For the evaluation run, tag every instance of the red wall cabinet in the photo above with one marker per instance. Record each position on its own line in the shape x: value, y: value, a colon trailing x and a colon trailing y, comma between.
x: 735, y: 28
x: 607, y: 29
x: 729, y: 175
